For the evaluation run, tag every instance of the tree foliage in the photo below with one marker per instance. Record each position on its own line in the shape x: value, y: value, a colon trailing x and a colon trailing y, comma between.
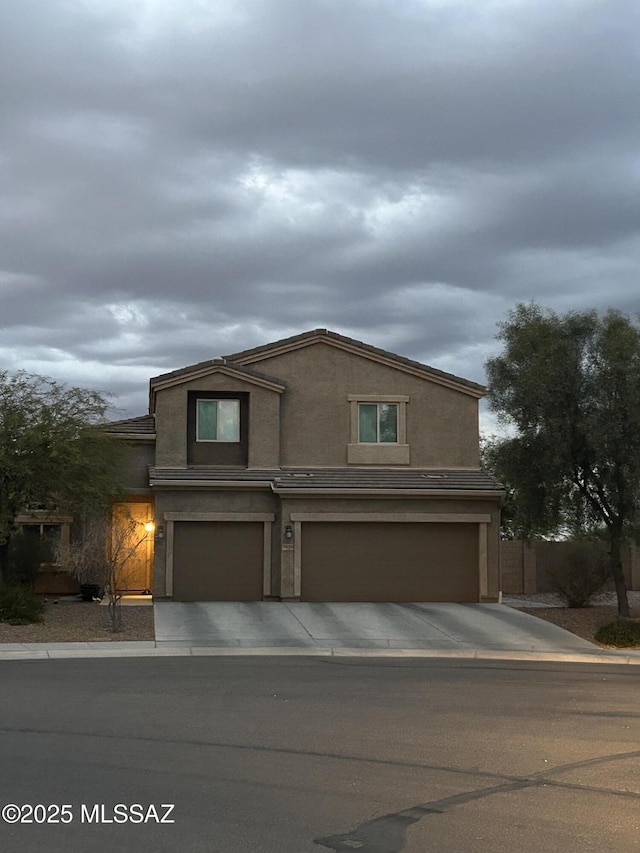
x: 53, y: 453
x: 568, y: 388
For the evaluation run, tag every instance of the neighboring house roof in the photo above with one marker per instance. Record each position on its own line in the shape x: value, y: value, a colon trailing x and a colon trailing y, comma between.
x: 207, y: 368
x: 140, y: 427
x: 333, y: 480
x: 257, y: 354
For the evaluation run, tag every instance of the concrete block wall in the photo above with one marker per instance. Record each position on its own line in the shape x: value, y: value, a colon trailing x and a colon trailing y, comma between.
x: 524, y: 567
x: 518, y: 566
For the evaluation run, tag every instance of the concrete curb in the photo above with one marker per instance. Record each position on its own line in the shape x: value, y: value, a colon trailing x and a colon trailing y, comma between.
x: 126, y: 650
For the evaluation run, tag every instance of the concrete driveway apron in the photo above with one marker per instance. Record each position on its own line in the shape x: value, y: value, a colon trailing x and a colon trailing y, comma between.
x: 272, y: 624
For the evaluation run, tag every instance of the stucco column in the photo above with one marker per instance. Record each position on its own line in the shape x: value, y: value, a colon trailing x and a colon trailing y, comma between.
x: 287, y: 570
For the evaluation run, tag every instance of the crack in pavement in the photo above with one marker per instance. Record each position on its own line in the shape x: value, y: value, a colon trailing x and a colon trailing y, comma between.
x: 276, y: 750
x: 388, y: 834
x: 385, y: 834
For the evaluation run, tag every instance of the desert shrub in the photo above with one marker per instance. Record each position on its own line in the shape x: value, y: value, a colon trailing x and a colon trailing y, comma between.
x: 582, y: 572
x: 621, y: 633
x: 19, y: 605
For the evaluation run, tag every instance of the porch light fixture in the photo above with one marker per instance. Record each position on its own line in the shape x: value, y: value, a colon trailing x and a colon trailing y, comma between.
x: 288, y: 532
x: 160, y: 531
x: 149, y: 526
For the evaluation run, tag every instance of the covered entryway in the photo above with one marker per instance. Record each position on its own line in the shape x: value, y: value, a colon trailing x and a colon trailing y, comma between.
x: 131, y: 545
x: 218, y: 560
x: 389, y: 561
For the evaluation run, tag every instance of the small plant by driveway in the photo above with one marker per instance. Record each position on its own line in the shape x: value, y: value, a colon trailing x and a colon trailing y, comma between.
x: 623, y: 633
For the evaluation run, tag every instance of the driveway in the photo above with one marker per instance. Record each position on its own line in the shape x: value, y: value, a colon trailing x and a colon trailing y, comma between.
x: 272, y: 624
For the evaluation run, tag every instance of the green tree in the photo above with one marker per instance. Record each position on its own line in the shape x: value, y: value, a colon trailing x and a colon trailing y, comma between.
x: 568, y: 388
x: 514, y: 518
x: 53, y: 453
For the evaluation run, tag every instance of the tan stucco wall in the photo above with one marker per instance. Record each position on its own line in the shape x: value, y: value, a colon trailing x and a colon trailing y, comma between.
x: 171, y: 421
x: 140, y: 454
x: 442, y: 423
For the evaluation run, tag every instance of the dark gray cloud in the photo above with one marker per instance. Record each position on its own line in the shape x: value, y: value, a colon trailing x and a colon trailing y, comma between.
x: 184, y: 179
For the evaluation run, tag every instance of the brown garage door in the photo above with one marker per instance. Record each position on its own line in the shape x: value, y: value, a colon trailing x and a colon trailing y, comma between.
x: 394, y: 561
x: 217, y: 561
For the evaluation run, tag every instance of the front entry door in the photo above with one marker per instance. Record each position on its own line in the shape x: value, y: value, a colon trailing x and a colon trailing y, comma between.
x: 132, y: 534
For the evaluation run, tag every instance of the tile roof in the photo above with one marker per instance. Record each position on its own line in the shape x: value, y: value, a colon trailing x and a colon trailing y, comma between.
x: 143, y: 426
x: 264, y: 351
x: 472, y: 479
x: 239, y: 362
x: 335, y: 479
x: 201, y: 366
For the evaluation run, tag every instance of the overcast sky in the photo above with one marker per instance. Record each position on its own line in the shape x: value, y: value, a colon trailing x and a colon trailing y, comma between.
x: 180, y: 179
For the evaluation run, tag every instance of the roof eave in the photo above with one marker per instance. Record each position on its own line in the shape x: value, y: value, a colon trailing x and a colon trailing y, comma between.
x: 382, y: 492
x: 209, y: 484
x: 364, y: 350
x: 170, y: 380
x: 134, y: 436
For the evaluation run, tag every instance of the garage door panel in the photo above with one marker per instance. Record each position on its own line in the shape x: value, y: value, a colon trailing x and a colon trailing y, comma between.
x: 347, y: 561
x: 217, y: 561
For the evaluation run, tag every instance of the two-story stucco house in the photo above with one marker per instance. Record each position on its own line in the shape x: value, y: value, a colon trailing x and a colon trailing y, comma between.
x: 316, y: 468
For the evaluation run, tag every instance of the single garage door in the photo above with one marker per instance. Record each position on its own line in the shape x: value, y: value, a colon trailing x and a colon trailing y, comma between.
x: 389, y: 561
x: 217, y: 561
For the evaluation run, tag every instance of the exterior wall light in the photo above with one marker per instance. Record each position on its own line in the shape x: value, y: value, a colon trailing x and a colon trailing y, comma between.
x: 160, y: 531
x: 149, y: 527
x: 288, y: 532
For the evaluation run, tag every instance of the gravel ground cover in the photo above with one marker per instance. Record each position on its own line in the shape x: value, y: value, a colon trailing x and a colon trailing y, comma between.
x: 585, y: 621
x: 82, y: 621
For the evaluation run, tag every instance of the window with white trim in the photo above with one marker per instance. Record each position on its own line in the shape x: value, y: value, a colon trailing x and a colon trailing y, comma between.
x: 218, y: 420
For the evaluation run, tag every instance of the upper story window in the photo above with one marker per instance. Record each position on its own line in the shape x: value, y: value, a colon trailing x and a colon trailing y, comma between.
x: 378, y: 430
x: 218, y: 420
x: 218, y: 428
x: 378, y: 423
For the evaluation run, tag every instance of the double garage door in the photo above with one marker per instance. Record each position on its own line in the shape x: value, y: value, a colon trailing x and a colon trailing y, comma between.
x: 389, y: 561
x: 337, y: 561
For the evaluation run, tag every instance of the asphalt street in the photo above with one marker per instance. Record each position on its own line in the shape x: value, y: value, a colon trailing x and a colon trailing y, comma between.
x: 302, y: 755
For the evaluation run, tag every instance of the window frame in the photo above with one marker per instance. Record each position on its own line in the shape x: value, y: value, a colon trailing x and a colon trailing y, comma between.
x: 217, y: 401
x: 378, y: 405
x: 379, y: 452
x: 45, y: 518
